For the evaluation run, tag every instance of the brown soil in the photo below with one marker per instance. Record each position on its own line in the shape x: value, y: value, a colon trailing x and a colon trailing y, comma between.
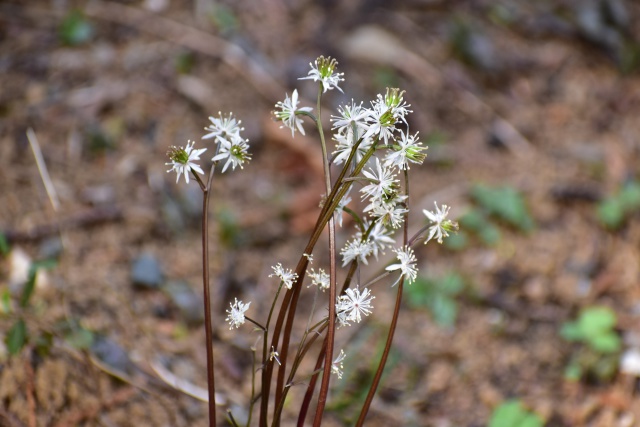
x: 553, y: 114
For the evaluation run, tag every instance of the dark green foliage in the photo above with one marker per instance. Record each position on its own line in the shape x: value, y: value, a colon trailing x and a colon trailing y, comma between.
x: 16, y: 338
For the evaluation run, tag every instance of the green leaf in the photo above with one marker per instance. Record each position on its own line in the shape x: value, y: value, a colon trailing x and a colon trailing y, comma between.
x: 490, y: 235
x: 5, y: 302
x: 508, y: 414
x: 451, y: 284
x: 75, y: 29
x: 606, y: 343
x: 532, y: 420
x: 571, y: 331
x: 504, y: 203
x: 457, y: 241
x: 16, y: 337
x: 4, y: 244
x: 595, y: 320
x: 629, y: 197
x: 444, y: 310
x: 80, y: 338
x: 473, y: 220
x: 29, y: 286
x: 573, y: 372
x: 611, y: 213
x: 512, y: 414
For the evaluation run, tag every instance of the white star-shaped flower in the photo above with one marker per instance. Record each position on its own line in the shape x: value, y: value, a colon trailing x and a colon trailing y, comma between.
x: 319, y: 279
x: 356, y: 250
x: 441, y: 225
x: 407, y: 265
x: 323, y: 70
x: 235, y: 150
x: 337, y: 367
x: 405, y: 149
x: 287, y: 276
x: 288, y: 110
x: 183, y: 160
x: 353, y: 305
x: 382, y: 181
x: 225, y: 127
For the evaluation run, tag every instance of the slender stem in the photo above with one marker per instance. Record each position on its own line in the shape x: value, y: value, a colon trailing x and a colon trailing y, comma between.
x: 324, y: 387
x: 253, y: 385
x: 207, y: 297
x: 288, y: 307
x: 394, y: 321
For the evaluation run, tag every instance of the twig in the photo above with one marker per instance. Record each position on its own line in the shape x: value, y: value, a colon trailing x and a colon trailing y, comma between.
x: 42, y: 168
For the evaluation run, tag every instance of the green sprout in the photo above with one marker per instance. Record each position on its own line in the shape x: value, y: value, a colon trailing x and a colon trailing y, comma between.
x: 598, y: 357
x: 512, y: 413
x: 438, y: 295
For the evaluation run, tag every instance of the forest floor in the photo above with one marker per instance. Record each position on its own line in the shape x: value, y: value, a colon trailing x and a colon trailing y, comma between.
x: 534, y: 106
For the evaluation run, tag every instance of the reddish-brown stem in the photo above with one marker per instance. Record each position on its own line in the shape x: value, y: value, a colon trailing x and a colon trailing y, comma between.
x: 312, y: 385
x: 207, y: 296
x: 394, y: 321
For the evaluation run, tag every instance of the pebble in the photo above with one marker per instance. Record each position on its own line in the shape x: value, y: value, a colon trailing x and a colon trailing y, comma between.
x: 146, y: 272
x: 190, y: 303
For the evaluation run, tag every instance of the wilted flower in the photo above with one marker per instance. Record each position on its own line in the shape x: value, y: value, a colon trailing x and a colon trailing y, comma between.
x: 183, y: 160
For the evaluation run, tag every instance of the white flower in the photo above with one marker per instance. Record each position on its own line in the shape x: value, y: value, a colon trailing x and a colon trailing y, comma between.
x: 394, y: 100
x: 225, y: 127
x: 353, y: 304
x: 356, y: 250
x: 391, y: 212
x: 287, y: 276
x: 320, y: 279
x: 236, y: 314
x: 345, y: 145
x: 383, y: 183
x: 405, y: 149
x: 351, y: 116
x: 382, y: 122
x: 235, y: 150
x: 337, y: 367
x: 407, y: 265
x: 323, y: 71
x: 288, y: 110
x: 183, y: 160
x: 441, y: 225
x: 379, y: 237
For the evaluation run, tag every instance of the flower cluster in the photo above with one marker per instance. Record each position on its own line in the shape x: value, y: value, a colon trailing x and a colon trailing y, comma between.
x: 231, y: 146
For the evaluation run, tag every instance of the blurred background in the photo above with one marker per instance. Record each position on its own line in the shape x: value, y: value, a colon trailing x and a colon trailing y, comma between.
x: 531, y: 111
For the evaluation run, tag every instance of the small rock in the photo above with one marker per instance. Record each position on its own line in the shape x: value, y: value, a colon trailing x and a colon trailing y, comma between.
x: 50, y: 248
x: 189, y: 303
x: 630, y: 362
x: 146, y: 272
x: 113, y: 355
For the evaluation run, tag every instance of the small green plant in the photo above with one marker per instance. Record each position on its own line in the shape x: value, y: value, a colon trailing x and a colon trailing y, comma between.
x: 438, y: 295
x: 614, y: 210
x: 504, y: 204
x: 18, y: 334
x: 75, y: 29
x: 512, y: 413
x: 601, y: 344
